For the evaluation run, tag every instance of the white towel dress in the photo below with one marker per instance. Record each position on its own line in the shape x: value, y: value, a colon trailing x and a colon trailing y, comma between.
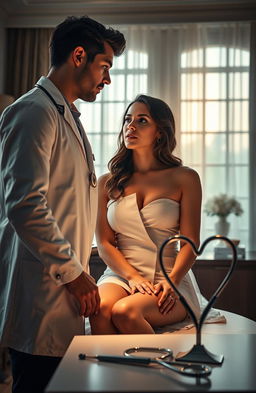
x: 139, y: 235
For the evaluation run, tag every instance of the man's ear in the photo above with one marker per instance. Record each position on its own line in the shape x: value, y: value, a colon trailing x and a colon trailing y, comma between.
x: 78, y: 56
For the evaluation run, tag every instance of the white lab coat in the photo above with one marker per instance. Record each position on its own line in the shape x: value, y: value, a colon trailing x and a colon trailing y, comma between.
x: 47, y: 221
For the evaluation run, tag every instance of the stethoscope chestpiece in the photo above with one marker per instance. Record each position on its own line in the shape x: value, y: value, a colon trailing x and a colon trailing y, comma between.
x: 93, y: 180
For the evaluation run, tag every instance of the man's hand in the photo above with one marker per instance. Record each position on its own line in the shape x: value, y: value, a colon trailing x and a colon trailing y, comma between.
x: 86, y: 292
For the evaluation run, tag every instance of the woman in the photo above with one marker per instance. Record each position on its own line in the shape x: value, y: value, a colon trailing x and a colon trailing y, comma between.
x: 147, y: 197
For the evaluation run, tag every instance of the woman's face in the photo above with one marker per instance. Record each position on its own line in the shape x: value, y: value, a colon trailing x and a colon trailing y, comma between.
x: 139, y: 129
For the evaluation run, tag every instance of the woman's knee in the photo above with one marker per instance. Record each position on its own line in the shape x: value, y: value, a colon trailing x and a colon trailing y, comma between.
x: 105, y: 307
x: 124, y: 312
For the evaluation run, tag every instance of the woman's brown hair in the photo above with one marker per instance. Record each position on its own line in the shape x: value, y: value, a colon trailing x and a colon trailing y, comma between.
x: 121, y: 165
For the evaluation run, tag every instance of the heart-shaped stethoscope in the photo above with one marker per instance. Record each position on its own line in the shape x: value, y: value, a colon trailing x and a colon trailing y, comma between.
x: 198, y: 352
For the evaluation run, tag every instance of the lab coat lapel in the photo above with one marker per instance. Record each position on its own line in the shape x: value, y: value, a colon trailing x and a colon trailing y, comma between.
x: 71, y: 122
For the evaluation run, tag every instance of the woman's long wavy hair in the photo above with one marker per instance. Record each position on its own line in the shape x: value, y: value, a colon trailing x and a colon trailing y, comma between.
x: 121, y: 165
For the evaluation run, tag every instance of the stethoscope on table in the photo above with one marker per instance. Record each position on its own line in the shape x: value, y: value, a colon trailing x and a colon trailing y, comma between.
x: 133, y: 356
x: 160, y: 357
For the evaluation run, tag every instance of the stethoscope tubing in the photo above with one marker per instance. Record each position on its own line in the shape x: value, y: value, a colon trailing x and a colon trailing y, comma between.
x: 187, y: 369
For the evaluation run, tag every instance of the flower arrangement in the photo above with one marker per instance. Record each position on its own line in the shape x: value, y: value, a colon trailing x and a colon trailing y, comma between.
x: 222, y: 205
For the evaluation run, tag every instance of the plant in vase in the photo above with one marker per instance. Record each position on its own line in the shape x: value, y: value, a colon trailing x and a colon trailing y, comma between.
x: 221, y: 206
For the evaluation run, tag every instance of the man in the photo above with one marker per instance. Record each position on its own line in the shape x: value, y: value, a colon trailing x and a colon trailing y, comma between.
x: 48, y: 204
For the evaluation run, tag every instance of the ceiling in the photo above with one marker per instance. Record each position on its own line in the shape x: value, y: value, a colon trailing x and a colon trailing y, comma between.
x: 18, y: 13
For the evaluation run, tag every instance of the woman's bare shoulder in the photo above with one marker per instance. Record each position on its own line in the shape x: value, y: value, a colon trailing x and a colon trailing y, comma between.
x: 187, y: 171
x: 187, y: 174
x: 102, y: 180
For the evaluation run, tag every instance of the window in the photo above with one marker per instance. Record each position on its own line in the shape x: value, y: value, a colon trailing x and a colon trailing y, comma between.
x: 214, y: 125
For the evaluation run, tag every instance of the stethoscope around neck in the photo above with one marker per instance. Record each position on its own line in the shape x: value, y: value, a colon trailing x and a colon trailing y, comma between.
x: 60, y: 108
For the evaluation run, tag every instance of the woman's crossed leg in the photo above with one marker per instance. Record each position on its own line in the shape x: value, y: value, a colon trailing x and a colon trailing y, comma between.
x: 139, y: 313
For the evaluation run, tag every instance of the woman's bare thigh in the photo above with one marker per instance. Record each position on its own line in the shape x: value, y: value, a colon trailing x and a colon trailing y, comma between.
x: 147, y: 304
x: 110, y: 293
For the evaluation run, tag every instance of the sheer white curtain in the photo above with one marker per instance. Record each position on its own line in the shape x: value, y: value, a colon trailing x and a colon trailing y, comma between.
x: 202, y: 72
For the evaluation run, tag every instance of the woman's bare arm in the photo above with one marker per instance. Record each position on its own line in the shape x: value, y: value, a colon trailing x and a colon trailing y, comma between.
x: 190, y: 220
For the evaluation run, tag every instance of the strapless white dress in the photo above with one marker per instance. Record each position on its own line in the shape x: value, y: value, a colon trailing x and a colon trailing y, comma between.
x: 139, y: 235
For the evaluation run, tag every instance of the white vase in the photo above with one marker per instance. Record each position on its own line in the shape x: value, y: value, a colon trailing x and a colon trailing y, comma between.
x: 222, y: 226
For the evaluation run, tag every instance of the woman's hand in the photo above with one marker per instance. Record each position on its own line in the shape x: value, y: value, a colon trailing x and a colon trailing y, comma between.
x: 166, y: 296
x: 142, y: 285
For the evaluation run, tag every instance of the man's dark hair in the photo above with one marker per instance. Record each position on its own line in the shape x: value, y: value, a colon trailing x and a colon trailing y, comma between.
x: 86, y: 32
